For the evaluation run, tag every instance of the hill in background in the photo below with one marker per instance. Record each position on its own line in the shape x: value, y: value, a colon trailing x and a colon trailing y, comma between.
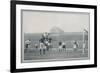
x: 56, y: 30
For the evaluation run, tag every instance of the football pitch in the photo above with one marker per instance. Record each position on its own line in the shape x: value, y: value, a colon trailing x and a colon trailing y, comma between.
x: 67, y: 54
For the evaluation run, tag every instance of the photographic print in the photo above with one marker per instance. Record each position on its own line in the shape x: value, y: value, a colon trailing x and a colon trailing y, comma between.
x: 52, y: 36
x: 49, y: 35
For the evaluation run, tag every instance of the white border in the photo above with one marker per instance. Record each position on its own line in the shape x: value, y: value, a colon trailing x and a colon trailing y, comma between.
x: 20, y: 65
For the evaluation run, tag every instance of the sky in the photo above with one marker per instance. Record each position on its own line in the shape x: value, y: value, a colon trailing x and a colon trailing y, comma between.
x: 44, y: 21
